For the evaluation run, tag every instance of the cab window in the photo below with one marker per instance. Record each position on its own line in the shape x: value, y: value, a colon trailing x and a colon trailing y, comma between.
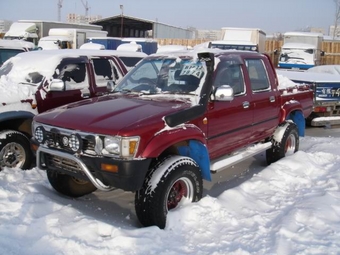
x: 104, y: 71
x: 230, y: 73
x: 257, y: 74
x: 73, y: 74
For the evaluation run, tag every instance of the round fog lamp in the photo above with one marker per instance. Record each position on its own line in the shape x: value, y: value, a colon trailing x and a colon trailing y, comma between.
x: 39, y: 134
x: 75, y: 142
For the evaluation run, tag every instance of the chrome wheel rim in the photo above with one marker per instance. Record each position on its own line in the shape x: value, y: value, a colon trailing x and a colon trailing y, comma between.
x: 12, y: 155
x: 290, y: 145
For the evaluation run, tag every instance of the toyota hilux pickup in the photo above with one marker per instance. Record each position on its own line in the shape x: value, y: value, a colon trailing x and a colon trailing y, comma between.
x: 36, y: 81
x: 173, y: 121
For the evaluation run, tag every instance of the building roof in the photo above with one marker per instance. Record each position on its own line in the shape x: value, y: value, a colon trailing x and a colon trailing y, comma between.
x: 128, y: 21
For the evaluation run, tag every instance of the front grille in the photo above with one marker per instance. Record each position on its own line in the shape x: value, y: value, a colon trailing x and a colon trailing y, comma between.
x: 60, y: 163
x: 54, y: 139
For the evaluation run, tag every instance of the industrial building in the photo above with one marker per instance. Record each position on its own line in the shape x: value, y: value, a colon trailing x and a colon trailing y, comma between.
x: 126, y: 26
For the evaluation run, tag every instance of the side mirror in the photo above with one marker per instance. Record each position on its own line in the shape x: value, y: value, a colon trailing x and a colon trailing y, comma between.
x: 276, y: 52
x: 224, y: 93
x: 110, y: 86
x: 57, y: 85
x: 322, y: 53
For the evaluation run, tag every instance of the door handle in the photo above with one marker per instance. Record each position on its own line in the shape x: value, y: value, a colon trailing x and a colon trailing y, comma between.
x: 272, y: 99
x: 245, y: 104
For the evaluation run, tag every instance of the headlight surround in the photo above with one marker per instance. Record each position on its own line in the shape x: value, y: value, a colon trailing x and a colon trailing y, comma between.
x: 120, y: 146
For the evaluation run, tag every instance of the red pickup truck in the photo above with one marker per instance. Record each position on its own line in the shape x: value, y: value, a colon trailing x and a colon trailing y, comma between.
x: 173, y: 120
x: 36, y: 81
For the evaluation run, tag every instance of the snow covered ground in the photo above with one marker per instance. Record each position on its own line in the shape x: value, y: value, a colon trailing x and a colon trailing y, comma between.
x: 289, y: 207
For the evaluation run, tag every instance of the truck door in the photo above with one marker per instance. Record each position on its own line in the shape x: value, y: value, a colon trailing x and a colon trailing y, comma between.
x: 229, y: 123
x: 105, y: 69
x: 74, y: 73
x: 264, y: 93
x: 81, y: 39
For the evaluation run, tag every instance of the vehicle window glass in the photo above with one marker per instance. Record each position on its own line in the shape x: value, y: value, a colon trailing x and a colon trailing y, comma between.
x: 130, y: 61
x: 6, y: 54
x: 230, y: 73
x: 104, y: 71
x: 74, y: 76
x: 257, y: 74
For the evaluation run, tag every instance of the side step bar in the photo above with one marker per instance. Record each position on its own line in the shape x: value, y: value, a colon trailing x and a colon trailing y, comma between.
x: 230, y: 160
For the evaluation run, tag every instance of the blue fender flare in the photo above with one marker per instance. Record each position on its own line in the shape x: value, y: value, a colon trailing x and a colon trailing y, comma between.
x: 198, y: 152
x: 300, y: 121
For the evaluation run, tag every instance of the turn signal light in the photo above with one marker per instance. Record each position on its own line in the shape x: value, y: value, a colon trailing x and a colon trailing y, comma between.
x: 109, y: 168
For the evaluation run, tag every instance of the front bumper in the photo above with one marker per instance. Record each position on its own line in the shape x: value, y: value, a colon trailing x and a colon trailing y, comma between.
x: 129, y: 176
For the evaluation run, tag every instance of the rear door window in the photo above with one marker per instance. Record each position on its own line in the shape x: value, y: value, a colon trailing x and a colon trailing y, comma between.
x: 257, y: 74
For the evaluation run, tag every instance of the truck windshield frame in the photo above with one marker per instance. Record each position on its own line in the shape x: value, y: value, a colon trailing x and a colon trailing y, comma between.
x: 161, y: 75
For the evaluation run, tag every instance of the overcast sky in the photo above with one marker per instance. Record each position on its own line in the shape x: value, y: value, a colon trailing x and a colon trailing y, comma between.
x: 269, y: 15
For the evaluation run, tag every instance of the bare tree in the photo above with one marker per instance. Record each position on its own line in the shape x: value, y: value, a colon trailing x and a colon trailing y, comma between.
x: 337, y: 17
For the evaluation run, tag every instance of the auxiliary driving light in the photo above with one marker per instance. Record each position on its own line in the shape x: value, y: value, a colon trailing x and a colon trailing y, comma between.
x: 75, y: 142
x: 39, y: 134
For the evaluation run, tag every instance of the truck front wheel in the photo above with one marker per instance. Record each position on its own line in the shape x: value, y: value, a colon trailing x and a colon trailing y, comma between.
x: 14, y: 150
x: 171, y: 181
x: 69, y: 185
x: 287, y: 145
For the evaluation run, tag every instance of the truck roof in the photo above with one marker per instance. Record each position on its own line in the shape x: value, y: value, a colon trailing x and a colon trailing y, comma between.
x: 303, y: 34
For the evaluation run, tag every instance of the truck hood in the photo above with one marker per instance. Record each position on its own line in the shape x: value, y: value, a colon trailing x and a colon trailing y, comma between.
x: 110, y: 114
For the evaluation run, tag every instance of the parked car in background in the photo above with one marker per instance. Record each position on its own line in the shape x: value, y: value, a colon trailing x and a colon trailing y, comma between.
x: 36, y: 81
x: 129, y: 56
x: 10, y: 48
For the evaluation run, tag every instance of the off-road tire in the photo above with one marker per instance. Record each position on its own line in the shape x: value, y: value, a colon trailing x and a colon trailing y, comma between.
x: 15, y: 150
x: 288, y: 145
x: 69, y: 185
x: 157, y: 195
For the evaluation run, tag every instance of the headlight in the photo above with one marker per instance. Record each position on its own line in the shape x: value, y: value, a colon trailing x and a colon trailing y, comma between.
x: 120, y: 146
x: 112, y: 145
x: 39, y: 134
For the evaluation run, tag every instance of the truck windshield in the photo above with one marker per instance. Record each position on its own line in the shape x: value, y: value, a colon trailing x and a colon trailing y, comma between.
x: 164, y: 75
x: 6, y: 54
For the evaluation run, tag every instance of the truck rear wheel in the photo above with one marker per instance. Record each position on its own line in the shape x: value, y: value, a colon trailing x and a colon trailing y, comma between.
x: 69, y: 185
x: 288, y: 145
x: 15, y: 150
x: 171, y: 180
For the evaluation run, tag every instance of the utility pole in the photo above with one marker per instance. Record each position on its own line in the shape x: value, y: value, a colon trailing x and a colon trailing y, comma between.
x: 121, y: 23
x: 59, y: 4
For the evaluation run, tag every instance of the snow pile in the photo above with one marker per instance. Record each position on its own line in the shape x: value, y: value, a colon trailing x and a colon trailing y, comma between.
x: 285, y: 82
x: 290, y: 207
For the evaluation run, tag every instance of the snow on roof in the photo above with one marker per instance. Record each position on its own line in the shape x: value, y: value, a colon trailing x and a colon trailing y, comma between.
x: 307, y: 34
x: 170, y: 48
x: 20, y: 29
x: 309, y: 76
x: 331, y: 69
x: 298, y: 46
x: 16, y: 44
x: 92, y: 46
x: 233, y: 42
x: 133, y: 46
